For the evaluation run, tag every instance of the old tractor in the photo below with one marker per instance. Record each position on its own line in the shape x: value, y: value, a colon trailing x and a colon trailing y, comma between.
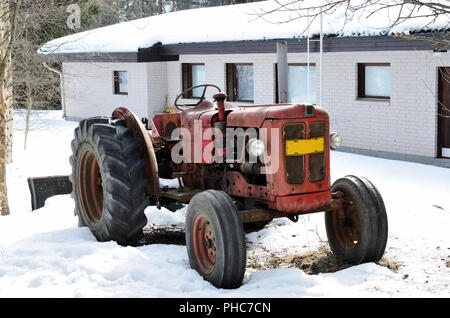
x: 238, y: 168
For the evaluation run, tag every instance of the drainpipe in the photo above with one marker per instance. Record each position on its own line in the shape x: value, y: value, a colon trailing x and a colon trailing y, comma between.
x: 282, y: 72
x: 61, y: 86
x: 321, y: 60
x: 308, y: 59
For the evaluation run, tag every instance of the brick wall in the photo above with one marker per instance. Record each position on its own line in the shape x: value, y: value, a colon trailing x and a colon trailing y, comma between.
x: 407, y: 123
x: 157, y: 87
x: 89, y: 89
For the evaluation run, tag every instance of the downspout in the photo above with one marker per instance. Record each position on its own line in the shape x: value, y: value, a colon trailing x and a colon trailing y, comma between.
x: 321, y: 60
x: 283, y: 71
x: 308, y: 59
x: 61, y: 86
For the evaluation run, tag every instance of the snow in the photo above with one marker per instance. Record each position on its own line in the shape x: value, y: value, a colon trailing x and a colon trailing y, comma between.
x: 163, y: 217
x: 243, y: 22
x: 44, y: 253
x: 169, y: 183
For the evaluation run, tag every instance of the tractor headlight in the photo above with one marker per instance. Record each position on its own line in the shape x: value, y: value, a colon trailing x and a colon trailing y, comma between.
x: 335, y: 141
x: 255, y: 147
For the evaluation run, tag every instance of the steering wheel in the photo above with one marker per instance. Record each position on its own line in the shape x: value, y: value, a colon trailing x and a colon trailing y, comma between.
x: 182, y: 107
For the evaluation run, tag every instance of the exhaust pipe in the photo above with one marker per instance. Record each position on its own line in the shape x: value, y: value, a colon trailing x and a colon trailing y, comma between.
x: 283, y: 69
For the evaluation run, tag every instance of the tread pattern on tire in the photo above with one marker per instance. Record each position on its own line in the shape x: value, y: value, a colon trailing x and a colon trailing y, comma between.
x: 382, y: 222
x: 229, y: 273
x: 372, y: 243
x: 124, y: 201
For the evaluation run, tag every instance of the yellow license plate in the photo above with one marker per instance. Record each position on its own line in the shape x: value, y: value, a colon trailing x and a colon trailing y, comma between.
x: 300, y: 147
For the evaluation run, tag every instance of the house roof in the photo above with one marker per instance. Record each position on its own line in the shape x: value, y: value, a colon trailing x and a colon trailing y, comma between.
x: 243, y: 22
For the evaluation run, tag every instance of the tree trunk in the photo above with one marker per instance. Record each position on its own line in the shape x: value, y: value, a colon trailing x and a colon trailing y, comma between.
x: 160, y: 6
x: 29, y: 107
x: 4, y: 207
x: 7, y: 32
x: 4, y: 28
x: 9, y: 115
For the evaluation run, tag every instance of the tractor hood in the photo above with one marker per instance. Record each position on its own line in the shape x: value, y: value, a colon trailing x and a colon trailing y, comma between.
x: 254, y: 116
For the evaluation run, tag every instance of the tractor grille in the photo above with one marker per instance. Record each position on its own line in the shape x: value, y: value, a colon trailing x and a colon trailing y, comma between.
x: 295, y: 164
x: 317, y: 161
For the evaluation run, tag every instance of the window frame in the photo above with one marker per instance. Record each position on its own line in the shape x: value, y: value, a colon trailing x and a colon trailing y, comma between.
x: 361, y: 81
x: 186, y: 79
x: 231, y: 82
x: 116, y: 83
x: 277, y: 98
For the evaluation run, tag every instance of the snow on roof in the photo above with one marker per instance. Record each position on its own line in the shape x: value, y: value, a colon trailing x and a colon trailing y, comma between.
x: 241, y: 22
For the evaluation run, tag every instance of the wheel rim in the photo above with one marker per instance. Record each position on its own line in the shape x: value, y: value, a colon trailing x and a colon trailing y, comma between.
x: 346, y: 225
x: 204, y: 244
x: 90, y: 187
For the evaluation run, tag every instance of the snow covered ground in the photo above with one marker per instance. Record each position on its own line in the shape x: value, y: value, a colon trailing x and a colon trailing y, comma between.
x: 44, y: 254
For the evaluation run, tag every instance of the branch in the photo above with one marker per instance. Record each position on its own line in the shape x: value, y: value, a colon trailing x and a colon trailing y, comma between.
x: 398, y: 11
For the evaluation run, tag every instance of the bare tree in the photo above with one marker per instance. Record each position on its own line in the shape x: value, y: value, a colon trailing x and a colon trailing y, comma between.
x: 399, y: 11
x: 34, y: 86
x: 7, y: 34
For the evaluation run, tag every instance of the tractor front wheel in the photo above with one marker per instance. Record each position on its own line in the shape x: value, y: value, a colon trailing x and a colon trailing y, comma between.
x: 215, y: 239
x: 358, y: 231
x: 108, y: 180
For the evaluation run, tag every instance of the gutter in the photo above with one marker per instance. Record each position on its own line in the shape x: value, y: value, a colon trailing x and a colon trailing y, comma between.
x: 61, y: 86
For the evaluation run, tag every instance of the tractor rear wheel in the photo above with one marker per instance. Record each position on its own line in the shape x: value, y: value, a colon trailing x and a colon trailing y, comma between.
x: 108, y: 180
x: 357, y: 232
x: 215, y: 239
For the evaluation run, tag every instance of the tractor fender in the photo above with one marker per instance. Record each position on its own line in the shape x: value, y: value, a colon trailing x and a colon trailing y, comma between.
x: 147, y: 152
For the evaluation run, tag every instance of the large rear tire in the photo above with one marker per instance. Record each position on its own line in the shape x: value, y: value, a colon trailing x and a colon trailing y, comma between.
x: 358, y: 232
x: 108, y: 180
x: 215, y: 239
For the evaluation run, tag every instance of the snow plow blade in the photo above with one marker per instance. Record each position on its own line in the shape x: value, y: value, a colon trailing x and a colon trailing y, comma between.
x: 43, y: 188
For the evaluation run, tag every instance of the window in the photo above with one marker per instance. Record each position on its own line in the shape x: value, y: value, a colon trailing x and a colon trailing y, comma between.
x: 120, y: 83
x: 374, y: 80
x: 193, y: 75
x: 240, y: 82
x: 298, y: 83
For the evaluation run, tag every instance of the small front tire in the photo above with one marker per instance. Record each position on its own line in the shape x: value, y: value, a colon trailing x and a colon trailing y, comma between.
x: 357, y: 232
x: 215, y: 239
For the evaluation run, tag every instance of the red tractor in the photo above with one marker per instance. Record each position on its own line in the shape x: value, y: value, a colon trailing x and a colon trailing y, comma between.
x: 250, y: 165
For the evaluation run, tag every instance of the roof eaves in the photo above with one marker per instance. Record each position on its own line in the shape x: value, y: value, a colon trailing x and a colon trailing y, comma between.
x: 127, y: 57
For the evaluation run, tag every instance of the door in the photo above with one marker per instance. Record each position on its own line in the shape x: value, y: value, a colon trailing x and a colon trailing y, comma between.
x: 444, y: 113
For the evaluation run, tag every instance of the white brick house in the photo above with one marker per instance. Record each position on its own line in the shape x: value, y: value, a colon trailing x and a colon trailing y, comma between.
x: 406, y: 123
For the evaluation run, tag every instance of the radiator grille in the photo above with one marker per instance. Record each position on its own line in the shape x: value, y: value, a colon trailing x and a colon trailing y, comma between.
x: 317, y: 161
x: 295, y: 165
